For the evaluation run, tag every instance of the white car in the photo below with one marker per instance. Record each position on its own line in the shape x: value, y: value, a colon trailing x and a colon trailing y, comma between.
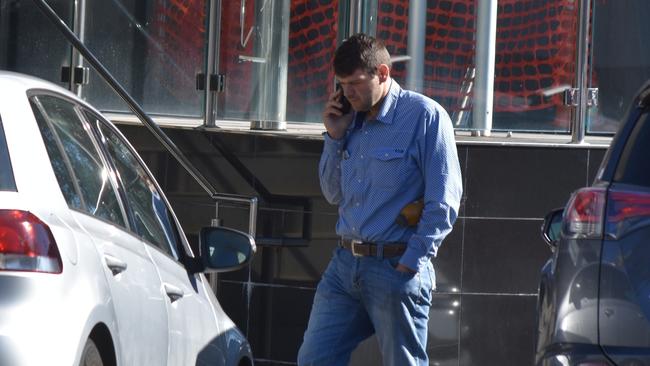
x: 94, y: 266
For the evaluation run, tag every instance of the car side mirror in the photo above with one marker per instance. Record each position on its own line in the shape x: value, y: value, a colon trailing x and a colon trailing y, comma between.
x: 552, y: 227
x: 224, y: 249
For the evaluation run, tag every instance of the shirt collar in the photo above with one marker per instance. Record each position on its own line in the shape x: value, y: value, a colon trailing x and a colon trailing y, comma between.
x: 387, y: 111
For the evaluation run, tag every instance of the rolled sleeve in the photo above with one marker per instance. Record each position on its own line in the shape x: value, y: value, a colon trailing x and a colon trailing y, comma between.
x: 329, y: 169
x: 442, y: 192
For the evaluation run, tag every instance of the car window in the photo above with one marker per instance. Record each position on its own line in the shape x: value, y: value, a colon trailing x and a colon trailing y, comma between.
x: 61, y: 169
x: 76, y: 154
x: 633, y: 166
x: 152, y: 218
x: 7, y: 182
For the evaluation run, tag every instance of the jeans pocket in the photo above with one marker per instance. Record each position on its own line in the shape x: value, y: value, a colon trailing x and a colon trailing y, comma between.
x: 392, y: 264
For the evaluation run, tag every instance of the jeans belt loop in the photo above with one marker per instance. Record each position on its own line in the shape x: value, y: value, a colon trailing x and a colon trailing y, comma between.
x: 380, y: 251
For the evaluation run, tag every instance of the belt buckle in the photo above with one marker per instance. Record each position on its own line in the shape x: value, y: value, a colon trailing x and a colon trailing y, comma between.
x: 353, y: 245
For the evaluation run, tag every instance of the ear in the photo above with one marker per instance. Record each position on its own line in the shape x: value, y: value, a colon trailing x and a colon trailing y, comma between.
x: 383, y: 72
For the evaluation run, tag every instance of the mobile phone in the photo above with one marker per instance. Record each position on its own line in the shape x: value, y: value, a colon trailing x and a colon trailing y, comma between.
x: 346, y: 106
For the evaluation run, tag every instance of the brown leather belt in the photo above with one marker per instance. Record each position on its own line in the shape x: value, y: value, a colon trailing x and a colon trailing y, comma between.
x: 366, y: 249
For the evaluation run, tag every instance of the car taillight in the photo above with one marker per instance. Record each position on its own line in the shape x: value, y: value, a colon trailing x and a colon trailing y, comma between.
x: 626, y: 211
x: 27, y: 244
x: 583, y: 216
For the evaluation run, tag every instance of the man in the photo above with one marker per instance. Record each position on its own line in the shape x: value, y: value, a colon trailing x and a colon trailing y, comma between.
x: 395, y: 147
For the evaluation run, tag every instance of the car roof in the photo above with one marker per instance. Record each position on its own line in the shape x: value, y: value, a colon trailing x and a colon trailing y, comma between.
x: 13, y: 82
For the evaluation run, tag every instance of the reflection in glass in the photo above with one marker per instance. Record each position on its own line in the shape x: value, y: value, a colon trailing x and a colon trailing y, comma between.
x: 224, y: 248
x: 621, y: 61
x: 154, y: 48
x: 312, y: 41
x: 89, y: 173
x: 254, y: 37
x: 153, y: 220
x: 535, y: 54
x: 29, y: 42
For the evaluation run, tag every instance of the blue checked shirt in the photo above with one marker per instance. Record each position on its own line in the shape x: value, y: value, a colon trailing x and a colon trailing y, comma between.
x: 406, y: 153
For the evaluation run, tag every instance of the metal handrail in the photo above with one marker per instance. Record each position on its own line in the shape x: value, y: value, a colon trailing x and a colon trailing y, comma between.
x: 144, y: 118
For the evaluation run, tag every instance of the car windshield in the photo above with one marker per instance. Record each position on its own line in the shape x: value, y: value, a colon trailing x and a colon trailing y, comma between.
x: 7, y: 182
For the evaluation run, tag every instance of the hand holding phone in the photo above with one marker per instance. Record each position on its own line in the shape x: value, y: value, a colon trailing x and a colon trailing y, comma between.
x: 345, y: 103
x: 337, y: 114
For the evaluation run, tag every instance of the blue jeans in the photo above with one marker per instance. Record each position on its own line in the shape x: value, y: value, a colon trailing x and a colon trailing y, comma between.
x: 360, y: 296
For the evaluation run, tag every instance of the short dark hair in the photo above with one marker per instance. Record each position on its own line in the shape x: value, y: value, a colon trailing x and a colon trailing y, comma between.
x: 360, y: 51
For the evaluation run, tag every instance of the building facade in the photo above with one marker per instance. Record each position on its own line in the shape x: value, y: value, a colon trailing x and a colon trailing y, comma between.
x: 535, y: 89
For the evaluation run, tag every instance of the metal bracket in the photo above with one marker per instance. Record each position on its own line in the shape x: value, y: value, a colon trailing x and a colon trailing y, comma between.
x: 252, y: 210
x: 80, y: 75
x: 217, y: 82
x: 571, y: 97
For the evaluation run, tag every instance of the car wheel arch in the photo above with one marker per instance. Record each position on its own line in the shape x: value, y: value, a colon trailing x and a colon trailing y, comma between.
x: 101, y: 336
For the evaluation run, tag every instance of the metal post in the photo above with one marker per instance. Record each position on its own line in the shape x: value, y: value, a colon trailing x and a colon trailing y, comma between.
x: 356, y: 17
x: 485, y: 52
x: 416, y: 44
x: 80, y: 29
x: 272, y: 103
x: 212, y: 62
x: 582, y: 81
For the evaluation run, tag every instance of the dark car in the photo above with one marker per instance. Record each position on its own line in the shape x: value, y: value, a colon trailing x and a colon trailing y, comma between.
x: 594, y: 294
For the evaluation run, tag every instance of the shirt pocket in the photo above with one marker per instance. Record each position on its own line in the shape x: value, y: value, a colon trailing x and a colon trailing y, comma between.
x: 388, y: 167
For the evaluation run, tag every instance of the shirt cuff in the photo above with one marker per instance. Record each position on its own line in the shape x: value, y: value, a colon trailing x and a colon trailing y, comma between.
x: 332, y: 146
x: 414, y: 259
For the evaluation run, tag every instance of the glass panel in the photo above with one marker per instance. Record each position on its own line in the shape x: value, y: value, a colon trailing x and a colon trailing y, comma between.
x: 276, y: 58
x: 620, y: 62
x: 7, y: 182
x: 92, y: 177
x: 153, y: 221
x: 154, y: 48
x: 312, y: 42
x: 534, y: 59
x: 29, y: 42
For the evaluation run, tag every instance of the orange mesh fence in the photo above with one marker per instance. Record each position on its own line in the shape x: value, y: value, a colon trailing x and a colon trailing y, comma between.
x: 312, y: 42
x: 535, y: 50
x: 178, y: 27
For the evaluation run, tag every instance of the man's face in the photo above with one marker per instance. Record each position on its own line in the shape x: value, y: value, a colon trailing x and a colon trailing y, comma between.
x: 362, y: 89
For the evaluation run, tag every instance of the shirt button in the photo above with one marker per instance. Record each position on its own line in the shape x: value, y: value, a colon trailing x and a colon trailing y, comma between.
x: 361, y: 156
x: 386, y: 155
x: 357, y: 204
x: 365, y: 133
x: 359, y: 180
x: 354, y: 229
x: 338, y: 151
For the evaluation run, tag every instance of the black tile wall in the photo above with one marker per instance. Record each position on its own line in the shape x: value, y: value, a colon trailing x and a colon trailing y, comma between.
x: 278, y: 318
x: 463, y: 154
x: 444, y: 327
x: 487, y: 269
x: 448, y: 263
x: 497, y: 330
x: 520, y: 181
x: 503, y: 256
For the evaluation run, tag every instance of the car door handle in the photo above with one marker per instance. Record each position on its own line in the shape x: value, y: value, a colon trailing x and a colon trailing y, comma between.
x: 114, y: 264
x: 173, y: 292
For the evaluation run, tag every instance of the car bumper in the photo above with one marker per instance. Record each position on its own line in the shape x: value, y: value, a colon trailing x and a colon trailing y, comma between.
x: 570, y: 354
x: 42, y: 322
